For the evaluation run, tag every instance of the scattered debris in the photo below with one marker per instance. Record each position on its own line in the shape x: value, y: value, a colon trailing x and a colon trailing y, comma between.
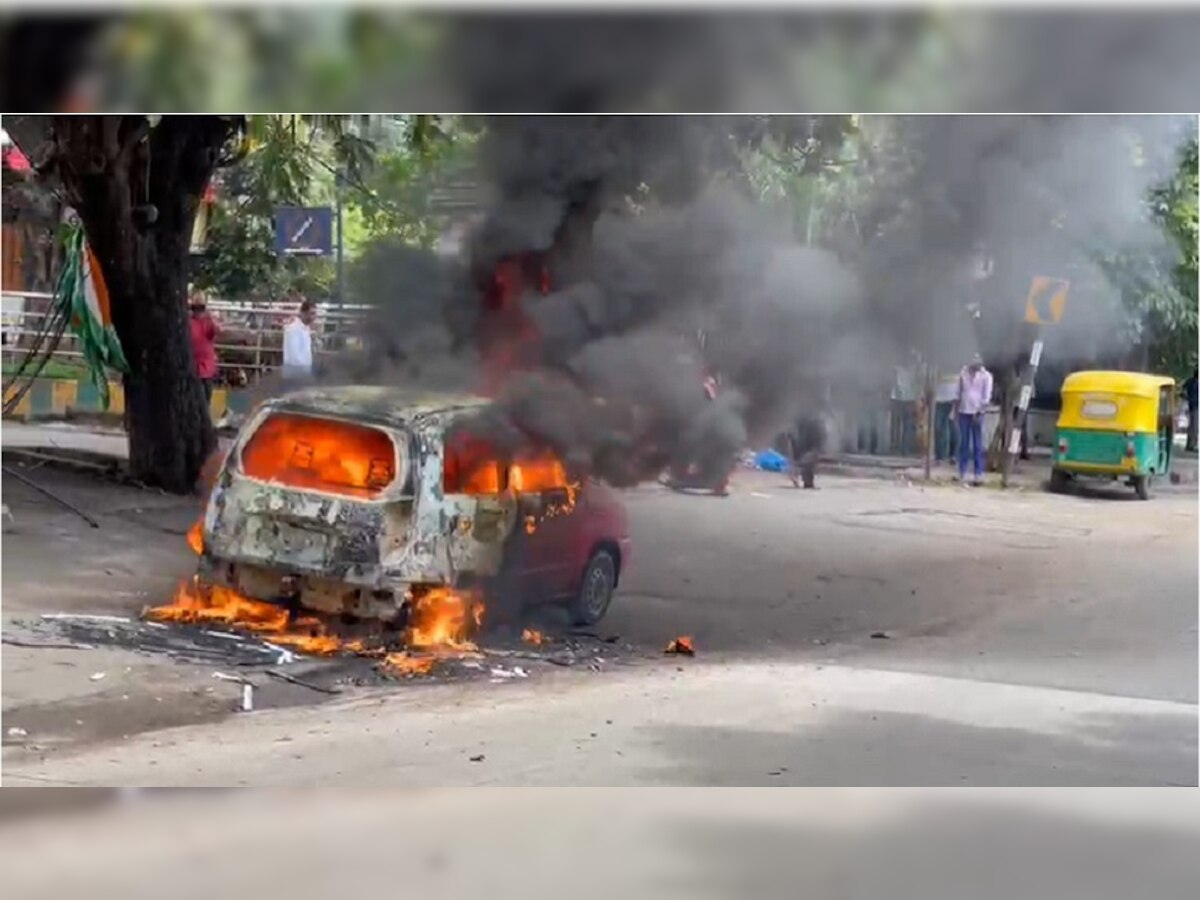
x: 408, y: 664
x: 610, y: 639
x: 185, y: 643
x: 682, y: 646
x: 499, y: 673
x: 292, y: 679
x: 479, y: 758
x: 881, y: 635
x: 17, y: 732
x: 95, y: 676
x: 46, y: 645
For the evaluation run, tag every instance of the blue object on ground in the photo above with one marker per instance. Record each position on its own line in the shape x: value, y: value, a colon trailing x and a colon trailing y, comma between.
x: 770, y: 461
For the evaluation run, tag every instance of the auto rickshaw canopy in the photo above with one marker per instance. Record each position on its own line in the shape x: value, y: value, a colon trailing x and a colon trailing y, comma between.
x: 1114, y: 401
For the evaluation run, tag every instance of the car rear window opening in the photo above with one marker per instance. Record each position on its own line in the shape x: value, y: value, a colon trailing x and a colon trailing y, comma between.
x: 473, y: 465
x: 328, y: 455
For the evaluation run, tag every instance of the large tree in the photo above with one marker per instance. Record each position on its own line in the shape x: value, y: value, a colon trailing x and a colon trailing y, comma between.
x: 136, y: 182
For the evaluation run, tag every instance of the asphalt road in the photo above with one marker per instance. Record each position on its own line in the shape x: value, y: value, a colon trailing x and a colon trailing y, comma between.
x: 1026, y: 639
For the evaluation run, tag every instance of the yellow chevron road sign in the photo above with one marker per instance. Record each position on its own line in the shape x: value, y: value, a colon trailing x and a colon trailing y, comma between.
x: 1046, y: 301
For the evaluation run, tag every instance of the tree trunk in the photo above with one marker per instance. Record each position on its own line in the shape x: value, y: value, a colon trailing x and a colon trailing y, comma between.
x: 137, y: 196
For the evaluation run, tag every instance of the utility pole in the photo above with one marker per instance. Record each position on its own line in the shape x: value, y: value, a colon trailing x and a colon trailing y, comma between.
x: 1028, y: 373
x: 1044, y: 305
x: 337, y: 195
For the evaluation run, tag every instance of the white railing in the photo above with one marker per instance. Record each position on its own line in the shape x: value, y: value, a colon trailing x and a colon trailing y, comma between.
x: 249, y: 345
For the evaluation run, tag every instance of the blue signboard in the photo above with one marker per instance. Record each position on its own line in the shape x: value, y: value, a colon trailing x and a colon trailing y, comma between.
x: 304, y: 230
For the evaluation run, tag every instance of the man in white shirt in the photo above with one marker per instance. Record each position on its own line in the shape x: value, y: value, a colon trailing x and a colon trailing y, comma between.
x: 298, y: 344
x: 974, y: 395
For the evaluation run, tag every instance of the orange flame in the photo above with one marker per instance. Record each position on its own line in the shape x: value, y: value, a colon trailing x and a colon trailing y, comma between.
x: 198, y: 603
x: 404, y: 663
x: 442, y: 618
x: 195, y: 537
x: 533, y: 636
x: 681, y: 645
x: 324, y: 454
x: 541, y: 474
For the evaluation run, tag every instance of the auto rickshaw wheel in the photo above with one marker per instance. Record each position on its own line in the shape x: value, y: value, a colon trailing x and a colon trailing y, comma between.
x: 1058, y: 481
x: 1141, y: 485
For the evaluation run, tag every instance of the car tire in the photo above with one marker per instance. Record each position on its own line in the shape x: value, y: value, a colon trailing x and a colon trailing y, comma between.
x: 1141, y: 485
x: 595, y: 592
x: 1058, y: 481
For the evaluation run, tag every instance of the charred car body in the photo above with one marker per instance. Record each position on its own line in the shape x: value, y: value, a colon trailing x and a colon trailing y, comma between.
x: 354, y: 500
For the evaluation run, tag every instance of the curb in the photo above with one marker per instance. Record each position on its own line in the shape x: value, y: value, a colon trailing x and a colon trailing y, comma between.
x: 61, y: 398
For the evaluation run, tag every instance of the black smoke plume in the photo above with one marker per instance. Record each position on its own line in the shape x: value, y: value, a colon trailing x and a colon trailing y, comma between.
x: 606, y: 366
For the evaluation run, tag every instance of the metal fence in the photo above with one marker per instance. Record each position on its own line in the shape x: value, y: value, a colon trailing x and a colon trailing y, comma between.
x: 250, y: 342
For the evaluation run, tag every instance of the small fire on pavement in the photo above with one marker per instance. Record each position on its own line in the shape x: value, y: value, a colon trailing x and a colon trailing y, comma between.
x: 682, y: 646
x: 533, y: 636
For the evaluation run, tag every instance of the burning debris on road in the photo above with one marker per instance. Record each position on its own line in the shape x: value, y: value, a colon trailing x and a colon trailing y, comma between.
x: 440, y: 623
x: 438, y: 635
x: 681, y: 646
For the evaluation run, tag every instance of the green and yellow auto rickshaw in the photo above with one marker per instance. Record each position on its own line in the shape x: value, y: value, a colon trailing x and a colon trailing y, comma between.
x: 1115, y: 425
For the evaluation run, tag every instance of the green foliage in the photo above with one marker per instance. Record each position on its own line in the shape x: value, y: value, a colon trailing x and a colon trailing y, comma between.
x: 395, y: 201
x: 811, y: 174
x: 1158, y: 290
x: 218, y: 60
x: 383, y: 167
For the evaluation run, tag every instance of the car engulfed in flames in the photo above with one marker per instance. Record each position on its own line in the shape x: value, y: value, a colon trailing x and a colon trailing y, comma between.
x: 367, y: 504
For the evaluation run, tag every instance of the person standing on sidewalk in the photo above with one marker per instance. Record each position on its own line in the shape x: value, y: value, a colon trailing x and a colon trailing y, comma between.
x: 974, y: 395
x: 204, y: 332
x: 298, y: 345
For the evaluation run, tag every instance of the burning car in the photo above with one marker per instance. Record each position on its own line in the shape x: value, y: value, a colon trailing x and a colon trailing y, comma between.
x: 359, y: 501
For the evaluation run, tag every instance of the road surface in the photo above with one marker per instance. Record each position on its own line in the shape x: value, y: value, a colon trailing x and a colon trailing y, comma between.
x: 1020, y: 638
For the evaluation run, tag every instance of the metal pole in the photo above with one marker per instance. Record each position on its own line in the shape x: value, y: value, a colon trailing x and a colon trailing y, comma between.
x: 929, y: 421
x: 337, y: 193
x: 1018, y: 423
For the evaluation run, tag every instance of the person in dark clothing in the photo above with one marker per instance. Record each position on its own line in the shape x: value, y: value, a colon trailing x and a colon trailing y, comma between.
x: 709, y: 448
x: 806, y: 443
x: 1189, y: 391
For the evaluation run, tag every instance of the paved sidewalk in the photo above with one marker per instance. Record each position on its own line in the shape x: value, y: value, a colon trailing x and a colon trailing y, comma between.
x: 91, y: 439
x: 1028, y: 473
x: 61, y: 436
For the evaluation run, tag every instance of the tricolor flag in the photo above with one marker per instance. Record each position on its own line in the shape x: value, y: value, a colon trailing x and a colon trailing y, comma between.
x: 82, y: 289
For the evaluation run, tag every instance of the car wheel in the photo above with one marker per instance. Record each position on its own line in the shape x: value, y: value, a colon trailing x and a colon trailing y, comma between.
x: 595, y: 589
x: 1058, y: 481
x: 1141, y: 485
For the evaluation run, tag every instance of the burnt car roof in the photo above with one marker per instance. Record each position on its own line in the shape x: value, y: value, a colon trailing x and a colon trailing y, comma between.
x: 395, y: 406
